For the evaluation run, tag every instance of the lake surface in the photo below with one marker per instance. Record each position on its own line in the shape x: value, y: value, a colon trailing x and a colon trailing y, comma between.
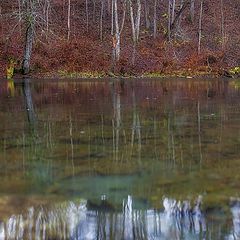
x: 120, y: 159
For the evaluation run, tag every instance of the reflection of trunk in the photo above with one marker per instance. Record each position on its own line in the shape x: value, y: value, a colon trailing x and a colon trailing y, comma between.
x: 116, y: 121
x: 71, y: 140
x: 29, y: 103
x: 136, y: 128
x: 28, y: 48
x: 199, y: 134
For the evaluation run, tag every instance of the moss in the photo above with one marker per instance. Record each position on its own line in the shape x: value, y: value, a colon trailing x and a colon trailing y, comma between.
x: 235, y: 70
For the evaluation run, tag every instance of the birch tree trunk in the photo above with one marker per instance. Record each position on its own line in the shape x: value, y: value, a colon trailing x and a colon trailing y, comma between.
x: 138, y: 20
x: 47, y: 15
x: 112, y: 17
x: 135, y: 24
x: 117, y: 32
x: 132, y: 21
x: 69, y: 19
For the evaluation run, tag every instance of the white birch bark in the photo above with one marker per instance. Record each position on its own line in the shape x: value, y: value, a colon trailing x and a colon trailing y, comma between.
x: 69, y: 19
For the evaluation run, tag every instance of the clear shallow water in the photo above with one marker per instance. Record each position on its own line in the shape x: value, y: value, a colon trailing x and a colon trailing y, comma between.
x: 79, y: 153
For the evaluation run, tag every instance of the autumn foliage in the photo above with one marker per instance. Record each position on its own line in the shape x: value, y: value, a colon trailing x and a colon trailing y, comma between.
x: 85, y: 51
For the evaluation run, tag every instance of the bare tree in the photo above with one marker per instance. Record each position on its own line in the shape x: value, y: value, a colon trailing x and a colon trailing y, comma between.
x: 173, y: 11
x: 135, y: 23
x: 173, y: 23
x: 117, y: 32
x: 29, y: 15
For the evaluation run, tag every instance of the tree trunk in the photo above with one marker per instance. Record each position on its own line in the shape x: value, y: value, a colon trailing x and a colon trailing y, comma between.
x: 47, y: 16
x: 117, y: 33
x: 180, y: 17
x: 222, y: 25
x: 138, y: 20
x: 69, y: 19
x: 135, y: 24
x: 101, y: 20
x: 192, y: 10
x: 87, y: 21
x: 132, y: 21
x: 28, y: 48
x: 94, y: 11
x: 155, y: 20
x: 124, y: 15
x: 169, y: 20
x: 173, y: 11
x: 112, y: 18
x: 146, y: 8
x: 200, y: 28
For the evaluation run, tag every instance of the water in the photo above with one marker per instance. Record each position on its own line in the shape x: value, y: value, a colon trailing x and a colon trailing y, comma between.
x: 120, y: 159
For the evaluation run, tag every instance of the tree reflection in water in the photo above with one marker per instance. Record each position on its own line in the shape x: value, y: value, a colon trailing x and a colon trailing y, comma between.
x: 71, y: 220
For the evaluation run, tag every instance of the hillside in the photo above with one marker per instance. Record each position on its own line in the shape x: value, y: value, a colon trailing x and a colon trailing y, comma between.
x: 101, y: 37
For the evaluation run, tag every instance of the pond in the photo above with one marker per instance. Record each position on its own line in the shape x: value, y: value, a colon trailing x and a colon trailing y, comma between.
x: 120, y: 159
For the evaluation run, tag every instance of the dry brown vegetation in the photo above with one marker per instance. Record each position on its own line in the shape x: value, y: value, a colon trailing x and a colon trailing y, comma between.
x: 59, y: 50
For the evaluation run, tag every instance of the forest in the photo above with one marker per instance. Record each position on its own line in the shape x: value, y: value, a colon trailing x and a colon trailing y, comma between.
x: 98, y: 38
